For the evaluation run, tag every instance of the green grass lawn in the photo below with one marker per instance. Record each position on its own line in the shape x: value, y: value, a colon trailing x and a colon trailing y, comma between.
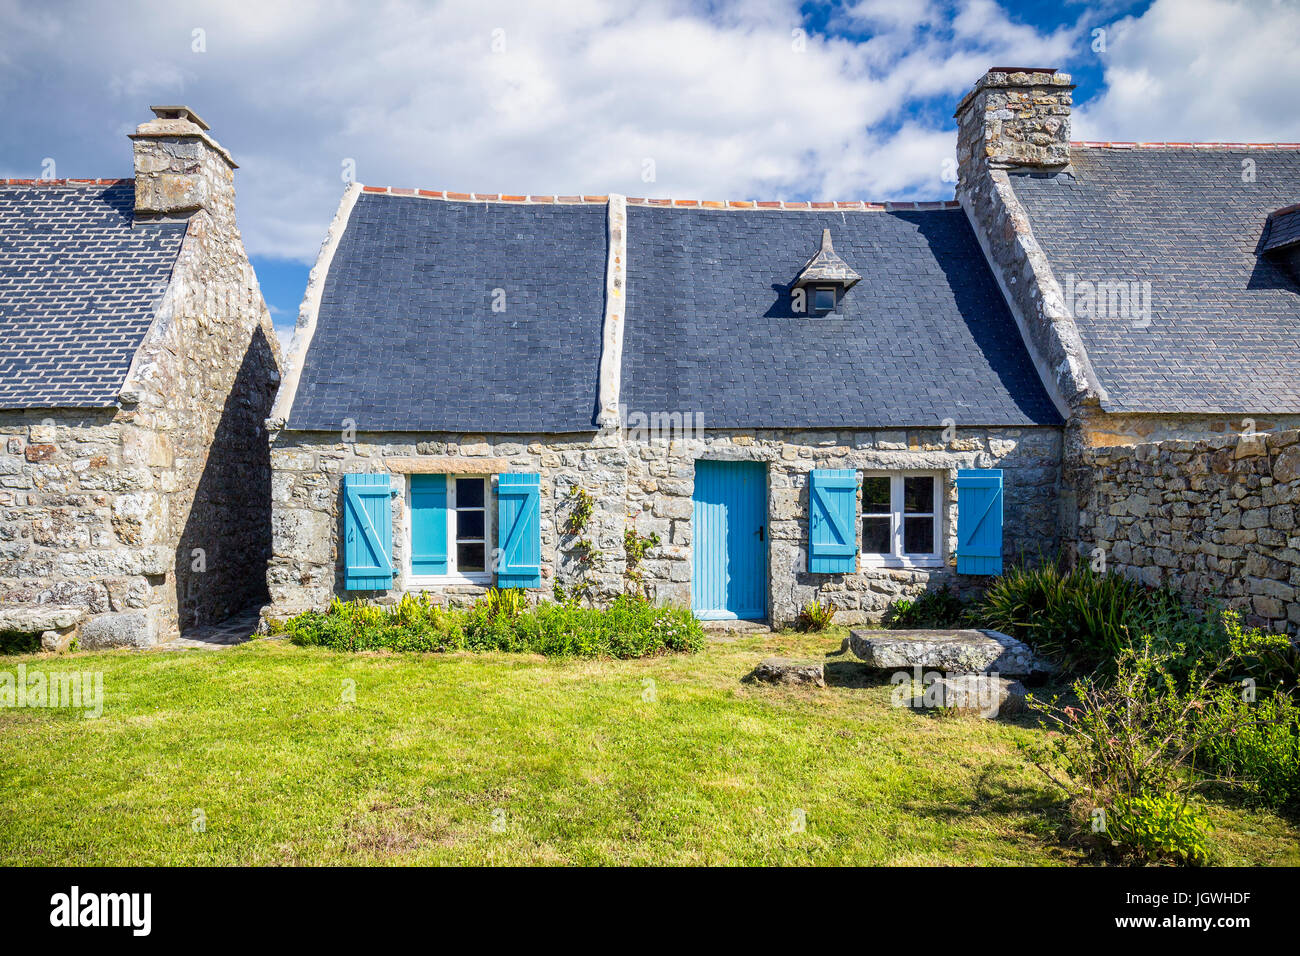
x: 494, y: 758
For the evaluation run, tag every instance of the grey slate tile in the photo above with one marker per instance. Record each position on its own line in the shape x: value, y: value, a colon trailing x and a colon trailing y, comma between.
x: 79, y: 284
x: 1224, y: 334
x: 407, y: 340
x: 924, y: 336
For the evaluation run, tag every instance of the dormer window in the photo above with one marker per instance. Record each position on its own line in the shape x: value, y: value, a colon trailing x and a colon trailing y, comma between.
x: 824, y: 279
x: 1281, y: 240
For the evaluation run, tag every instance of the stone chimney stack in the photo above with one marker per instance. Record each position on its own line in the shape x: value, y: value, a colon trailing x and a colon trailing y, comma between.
x: 1018, y: 118
x: 1014, y: 117
x: 180, y: 169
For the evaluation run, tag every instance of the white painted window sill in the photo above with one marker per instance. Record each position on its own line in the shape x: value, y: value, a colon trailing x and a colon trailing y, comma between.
x: 889, y: 561
x: 447, y: 580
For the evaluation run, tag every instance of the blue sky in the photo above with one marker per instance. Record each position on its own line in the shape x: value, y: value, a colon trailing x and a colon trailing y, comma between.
x: 761, y: 99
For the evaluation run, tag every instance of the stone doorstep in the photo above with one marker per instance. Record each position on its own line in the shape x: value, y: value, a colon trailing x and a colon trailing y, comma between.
x: 966, y: 651
x: 737, y: 627
x: 236, y: 629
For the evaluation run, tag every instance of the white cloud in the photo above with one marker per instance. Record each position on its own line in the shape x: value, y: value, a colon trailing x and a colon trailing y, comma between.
x: 717, y: 95
x: 1200, y: 70
x: 582, y: 95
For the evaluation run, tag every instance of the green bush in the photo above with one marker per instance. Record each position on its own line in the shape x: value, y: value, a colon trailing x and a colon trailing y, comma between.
x: 1157, y: 827
x: 939, y: 608
x: 629, y: 627
x: 1254, y: 744
x: 1079, y: 618
x: 1135, y: 736
x: 19, y: 642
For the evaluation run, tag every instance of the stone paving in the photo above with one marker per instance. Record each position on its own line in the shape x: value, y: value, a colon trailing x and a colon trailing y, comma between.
x: 235, y: 629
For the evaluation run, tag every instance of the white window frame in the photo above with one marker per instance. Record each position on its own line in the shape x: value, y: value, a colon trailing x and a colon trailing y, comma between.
x: 897, y: 558
x: 454, y: 575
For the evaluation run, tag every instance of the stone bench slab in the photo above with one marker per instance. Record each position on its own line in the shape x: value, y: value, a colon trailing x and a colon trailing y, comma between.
x: 41, y: 617
x: 966, y: 651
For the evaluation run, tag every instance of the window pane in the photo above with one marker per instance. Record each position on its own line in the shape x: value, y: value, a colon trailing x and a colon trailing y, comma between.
x: 918, y: 536
x: 469, y: 557
x: 918, y: 495
x: 875, y: 535
x: 875, y: 494
x: 469, y: 524
x: 823, y: 299
x: 469, y: 492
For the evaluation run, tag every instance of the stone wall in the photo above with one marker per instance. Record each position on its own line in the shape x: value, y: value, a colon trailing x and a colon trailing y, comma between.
x: 75, y: 504
x: 1023, y: 120
x: 648, y: 486
x: 306, y: 567
x: 1214, y: 518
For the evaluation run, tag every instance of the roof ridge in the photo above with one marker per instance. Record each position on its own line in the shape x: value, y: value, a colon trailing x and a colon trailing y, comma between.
x: 1096, y: 144
x: 63, y: 182
x: 524, y: 198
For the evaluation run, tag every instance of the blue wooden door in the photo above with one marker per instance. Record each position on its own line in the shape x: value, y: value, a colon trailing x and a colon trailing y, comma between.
x: 729, y: 540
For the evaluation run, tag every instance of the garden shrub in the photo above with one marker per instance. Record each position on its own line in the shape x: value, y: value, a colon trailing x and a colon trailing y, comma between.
x: 939, y: 608
x: 1126, y: 746
x: 1156, y: 828
x: 1079, y: 618
x: 19, y: 642
x: 1254, y: 744
x: 630, y: 627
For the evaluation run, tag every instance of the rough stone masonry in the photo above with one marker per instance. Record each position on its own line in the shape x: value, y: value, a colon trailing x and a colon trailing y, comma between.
x: 121, y: 526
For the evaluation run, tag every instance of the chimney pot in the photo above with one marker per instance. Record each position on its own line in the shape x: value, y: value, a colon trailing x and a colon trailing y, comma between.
x: 179, y: 112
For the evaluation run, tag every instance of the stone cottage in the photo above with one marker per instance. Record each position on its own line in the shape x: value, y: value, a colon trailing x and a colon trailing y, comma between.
x: 771, y: 402
x: 781, y: 401
x: 137, y: 367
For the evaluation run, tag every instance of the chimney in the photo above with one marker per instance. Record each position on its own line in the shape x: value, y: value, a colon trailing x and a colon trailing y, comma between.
x: 1014, y: 117
x: 180, y: 169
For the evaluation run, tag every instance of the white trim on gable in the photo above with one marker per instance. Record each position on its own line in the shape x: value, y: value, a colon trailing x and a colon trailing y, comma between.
x: 1053, y: 327
x: 611, y: 354
x: 309, y: 311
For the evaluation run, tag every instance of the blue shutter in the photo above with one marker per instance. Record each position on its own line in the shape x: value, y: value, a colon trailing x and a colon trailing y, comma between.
x: 832, y: 521
x: 428, y: 524
x: 519, y: 531
x: 979, y: 521
x: 367, y: 533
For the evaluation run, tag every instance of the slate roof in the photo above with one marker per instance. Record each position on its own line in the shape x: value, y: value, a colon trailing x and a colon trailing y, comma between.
x: 79, y: 285
x: 406, y: 337
x: 924, y: 336
x: 1224, y: 335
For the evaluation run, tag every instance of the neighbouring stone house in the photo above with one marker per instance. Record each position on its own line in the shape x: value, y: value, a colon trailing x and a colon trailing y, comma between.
x: 848, y: 401
x: 137, y: 367
x: 1157, y: 286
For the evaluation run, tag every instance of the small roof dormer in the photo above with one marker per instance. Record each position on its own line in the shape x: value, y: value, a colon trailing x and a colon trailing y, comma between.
x: 1283, y: 229
x: 827, y: 268
x: 823, y: 280
x: 1281, y: 240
